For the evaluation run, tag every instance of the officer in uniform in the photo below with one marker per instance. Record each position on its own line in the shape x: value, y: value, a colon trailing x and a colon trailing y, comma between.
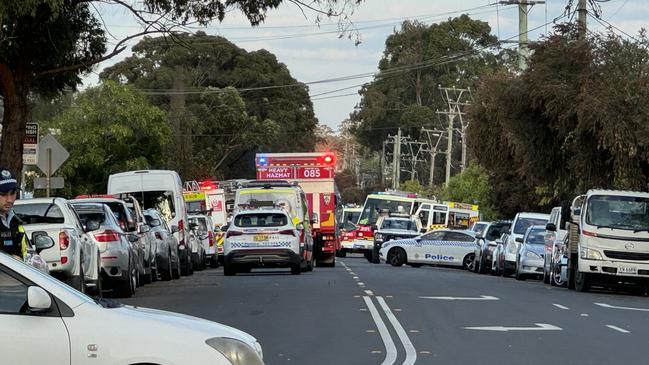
x: 13, y: 239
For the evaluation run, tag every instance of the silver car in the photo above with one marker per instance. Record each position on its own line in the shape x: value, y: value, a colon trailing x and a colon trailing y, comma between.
x: 529, y: 260
x: 166, y: 254
x: 118, y: 267
x: 204, y: 230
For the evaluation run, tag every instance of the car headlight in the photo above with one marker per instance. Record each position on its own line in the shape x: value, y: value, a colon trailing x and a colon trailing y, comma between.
x: 511, y: 248
x: 589, y: 253
x: 378, y: 237
x: 237, y: 352
x: 532, y: 255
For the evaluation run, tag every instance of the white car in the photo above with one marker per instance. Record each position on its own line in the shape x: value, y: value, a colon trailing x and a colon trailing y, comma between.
x: 441, y: 247
x: 50, y: 323
x: 521, y: 223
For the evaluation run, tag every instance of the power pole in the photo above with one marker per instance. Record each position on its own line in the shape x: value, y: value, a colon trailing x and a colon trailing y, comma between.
x: 456, y: 99
x: 415, y: 148
x: 433, y: 150
x: 383, y: 164
x: 523, y: 40
x: 397, y: 160
x: 582, y: 15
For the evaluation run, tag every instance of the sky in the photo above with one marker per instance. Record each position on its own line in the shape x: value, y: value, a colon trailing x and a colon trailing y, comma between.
x: 314, y: 53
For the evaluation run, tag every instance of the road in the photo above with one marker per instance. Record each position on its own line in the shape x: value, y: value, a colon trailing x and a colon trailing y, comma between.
x: 359, y: 313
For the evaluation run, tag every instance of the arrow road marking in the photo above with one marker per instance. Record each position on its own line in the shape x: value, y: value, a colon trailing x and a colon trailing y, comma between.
x: 390, y: 348
x: 539, y: 327
x: 627, y: 308
x: 482, y: 297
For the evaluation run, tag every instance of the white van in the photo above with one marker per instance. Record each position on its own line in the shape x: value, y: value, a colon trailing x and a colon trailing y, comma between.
x: 161, y: 190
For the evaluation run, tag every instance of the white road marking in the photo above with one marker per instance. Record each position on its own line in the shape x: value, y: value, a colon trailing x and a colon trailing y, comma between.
x: 539, y: 327
x: 369, y: 292
x: 355, y: 278
x: 353, y: 273
x: 616, y: 328
x: 626, y: 308
x: 482, y: 297
x: 584, y: 314
x: 390, y: 348
x: 411, y: 353
x: 560, y: 306
x: 360, y: 283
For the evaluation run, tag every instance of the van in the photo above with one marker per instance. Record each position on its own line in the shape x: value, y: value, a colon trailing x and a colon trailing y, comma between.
x: 161, y: 190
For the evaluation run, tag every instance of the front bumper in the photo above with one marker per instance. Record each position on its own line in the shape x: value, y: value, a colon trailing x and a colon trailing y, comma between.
x: 263, y: 258
x: 531, y: 265
x: 614, y: 268
x: 358, y: 245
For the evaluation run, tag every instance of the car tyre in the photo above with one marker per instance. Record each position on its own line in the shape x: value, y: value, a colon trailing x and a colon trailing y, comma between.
x: 375, y: 255
x: 469, y: 262
x: 126, y: 287
x: 397, y: 256
x: 214, y: 261
x: 229, y: 270
x: 582, y: 282
x: 482, y: 267
x: 519, y: 276
x: 296, y: 269
x: 341, y: 253
x: 166, y: 274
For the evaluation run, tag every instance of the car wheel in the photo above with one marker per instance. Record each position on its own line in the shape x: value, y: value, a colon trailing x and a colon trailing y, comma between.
x: 368, y: 256
x: 375, y: 255
x: 341, y: 253
x: 296, y: 269
x: 397, y: 256
x: 482, y: 267
x: 229, y: 270
x: 582, y: 282
x: 469, y: 262
x: 519, y: 276
x: 125, y: 288
x: 214, y: 261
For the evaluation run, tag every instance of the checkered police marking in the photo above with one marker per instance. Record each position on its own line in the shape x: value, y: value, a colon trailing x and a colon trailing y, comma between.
x: 262, y: 244
x: 432, y: 243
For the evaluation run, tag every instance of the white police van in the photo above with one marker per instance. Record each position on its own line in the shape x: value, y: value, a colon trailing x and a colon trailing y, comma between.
x: 439, y: 247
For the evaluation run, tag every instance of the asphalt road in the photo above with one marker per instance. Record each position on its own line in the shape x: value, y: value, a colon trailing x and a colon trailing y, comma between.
x: 359, y: 313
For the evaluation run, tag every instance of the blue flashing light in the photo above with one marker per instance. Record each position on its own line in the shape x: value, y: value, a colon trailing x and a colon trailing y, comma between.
x: 262, y: 160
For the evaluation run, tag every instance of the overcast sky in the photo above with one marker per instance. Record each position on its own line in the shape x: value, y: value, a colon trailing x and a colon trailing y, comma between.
x: 314, y: 53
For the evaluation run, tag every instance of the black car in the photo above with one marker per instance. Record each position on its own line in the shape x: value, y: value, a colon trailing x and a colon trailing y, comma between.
x: 486, y: 243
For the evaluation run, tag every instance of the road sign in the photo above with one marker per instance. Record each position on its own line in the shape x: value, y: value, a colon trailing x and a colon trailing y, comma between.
x: 30, y: 144
x: 53, y: 155
x: 55, y: 183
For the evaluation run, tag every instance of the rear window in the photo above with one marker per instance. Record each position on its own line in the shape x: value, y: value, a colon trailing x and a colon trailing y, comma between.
x: 202, y: 223
x: 261, y: 220
x: 400, y: 224
x: 90, y: 213
x: 39, y: 213
x: 522, y: 224
x: 162, y: 201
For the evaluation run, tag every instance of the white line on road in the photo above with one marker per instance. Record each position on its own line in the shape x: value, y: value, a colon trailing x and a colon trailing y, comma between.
x: 616, y: 328
x: 360, y: 283
x: 411, y: 353
x: 369, y: 292
x: 539, y: 327
x: 355, y: 278
x: 560, y: 306
x: 390, y: 348
x: 627, y: 308
x: 482, y: 297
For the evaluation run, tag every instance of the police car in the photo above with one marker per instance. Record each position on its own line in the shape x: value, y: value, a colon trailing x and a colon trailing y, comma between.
x: 266, y: 237
x: 439, y: 247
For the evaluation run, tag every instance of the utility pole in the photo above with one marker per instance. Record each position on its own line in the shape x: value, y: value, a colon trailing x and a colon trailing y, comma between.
x: 397, y: 160
x: 582, y: 15
x: 433, y: 150
x: 383, y: 164
x: 456, y: 99
x: 523, y: 40
x: 415, y: 148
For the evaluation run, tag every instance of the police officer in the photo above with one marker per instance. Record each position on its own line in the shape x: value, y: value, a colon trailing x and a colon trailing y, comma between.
x: 12, y: 234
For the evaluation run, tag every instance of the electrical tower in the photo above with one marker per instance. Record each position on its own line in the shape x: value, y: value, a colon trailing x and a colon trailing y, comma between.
x: 457, y: 100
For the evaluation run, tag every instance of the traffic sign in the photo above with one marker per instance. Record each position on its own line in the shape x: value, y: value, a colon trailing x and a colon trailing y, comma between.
x: 53, y: 155
x: 30, y: 144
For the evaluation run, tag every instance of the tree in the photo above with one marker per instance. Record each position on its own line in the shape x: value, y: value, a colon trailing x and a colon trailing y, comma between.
x: 110, y: 128
x: 47, y: 45
x: 471, y: 187
x: 181, y: 71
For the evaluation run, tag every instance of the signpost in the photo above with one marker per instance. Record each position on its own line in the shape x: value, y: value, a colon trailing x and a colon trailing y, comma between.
x: 54, y: 156
x: 30, y: 144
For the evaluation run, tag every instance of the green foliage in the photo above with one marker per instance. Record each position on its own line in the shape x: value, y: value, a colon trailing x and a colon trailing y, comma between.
x: 472, y: 186
x: 110, y: 128
x: 575, y: 120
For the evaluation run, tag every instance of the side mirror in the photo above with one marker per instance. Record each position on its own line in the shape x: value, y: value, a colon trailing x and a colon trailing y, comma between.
x: 551, y: 227
x: 224, y: 228
x: 91, y: 226
x: 479, y: 236
x: 174, y: 229
x: 314, y: 218
x: 519, y: 239
x: 42, y: 241
x: 144, y: 228
x: 133, y: 237
x: 38, y: 300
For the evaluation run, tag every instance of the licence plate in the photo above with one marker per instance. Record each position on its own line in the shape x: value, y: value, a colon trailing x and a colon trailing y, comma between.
x: 627, y: 270
x: 260, y: 237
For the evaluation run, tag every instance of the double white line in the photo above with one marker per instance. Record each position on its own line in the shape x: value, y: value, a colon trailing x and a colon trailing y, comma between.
x: 390, y: 348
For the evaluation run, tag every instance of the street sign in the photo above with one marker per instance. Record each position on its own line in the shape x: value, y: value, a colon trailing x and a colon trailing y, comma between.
x: 30, y: 144
x: 56, y: 182
x: 52, y: 155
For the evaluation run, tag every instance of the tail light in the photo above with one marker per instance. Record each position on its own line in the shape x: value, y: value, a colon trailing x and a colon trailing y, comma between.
x: 107, y: 236
x: 158, y: 236
x: 288, y: 231
x: 64, y: 240
x: 64, y: 260
x: 233, y: 233
x: 210, y: 237
x: 181, y: 225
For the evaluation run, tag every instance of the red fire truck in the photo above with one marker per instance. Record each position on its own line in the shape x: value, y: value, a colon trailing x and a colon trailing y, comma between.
x: 314, y: 172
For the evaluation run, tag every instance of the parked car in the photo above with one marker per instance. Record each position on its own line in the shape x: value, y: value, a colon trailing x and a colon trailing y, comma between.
x: 479, y: 227
x: 71, y: 328
x: 442, y: 247
x: 486, y: 244
x: 118, y: 254
x: 266, y: 238
x: 161, y: 190
x: 394, y: 228
x: 521, y: 223
x: 205, y: 231
x: 554, y: 236
x: 498, y: 256
x: 76, y: 258
x: 167, y: 259
x: 529, y: 260
x: 129, y: 215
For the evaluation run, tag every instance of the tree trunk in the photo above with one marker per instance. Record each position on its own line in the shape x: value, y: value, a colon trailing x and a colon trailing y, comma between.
x: 15, y: 115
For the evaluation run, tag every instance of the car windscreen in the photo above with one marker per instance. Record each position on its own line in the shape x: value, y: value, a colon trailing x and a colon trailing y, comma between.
x: 286, y: 199
x: 495, y: 231
x: 351, y: 216
x: 522, y: 224
x: 536, y: 237
x: 162, y: 201
x: 200, y: 222
x: 400, y: 224
x: 374, y: 206
x: 619, y: 212
x: 39, y: 213
x: 260, y: 220
x: 478, y: 228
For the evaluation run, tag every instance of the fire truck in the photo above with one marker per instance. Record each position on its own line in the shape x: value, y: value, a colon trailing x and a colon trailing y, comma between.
x: 314, y: 172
